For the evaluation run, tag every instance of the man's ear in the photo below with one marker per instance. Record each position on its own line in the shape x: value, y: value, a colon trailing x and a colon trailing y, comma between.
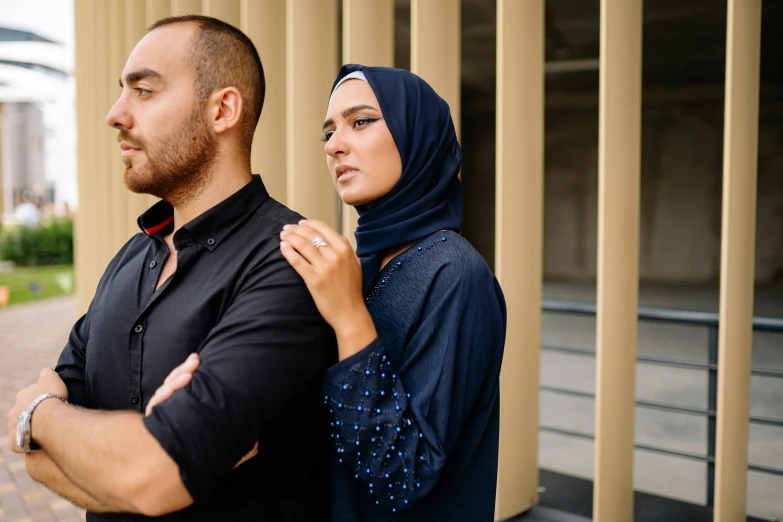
x: 226, y: 110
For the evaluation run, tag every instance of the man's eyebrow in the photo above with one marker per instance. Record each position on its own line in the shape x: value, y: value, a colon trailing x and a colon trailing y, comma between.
x: 142, y: 74
x: 347, y: 112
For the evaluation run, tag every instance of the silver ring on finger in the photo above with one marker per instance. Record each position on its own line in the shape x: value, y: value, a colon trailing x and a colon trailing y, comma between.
x: 319, y: 242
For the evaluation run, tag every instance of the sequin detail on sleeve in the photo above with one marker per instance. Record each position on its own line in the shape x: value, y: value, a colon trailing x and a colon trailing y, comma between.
x: 374, y: 432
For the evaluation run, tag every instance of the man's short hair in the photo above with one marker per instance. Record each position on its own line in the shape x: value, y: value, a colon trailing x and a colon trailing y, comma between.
x: 223, y: 56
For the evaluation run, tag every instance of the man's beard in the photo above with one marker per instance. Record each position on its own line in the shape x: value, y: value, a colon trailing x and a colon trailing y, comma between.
x: 178, y: 165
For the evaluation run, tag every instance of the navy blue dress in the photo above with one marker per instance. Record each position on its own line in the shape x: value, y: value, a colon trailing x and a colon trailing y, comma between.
x: 416, y: 413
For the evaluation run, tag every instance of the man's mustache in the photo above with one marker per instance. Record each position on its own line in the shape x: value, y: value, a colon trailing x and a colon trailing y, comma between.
x: 136, y: 143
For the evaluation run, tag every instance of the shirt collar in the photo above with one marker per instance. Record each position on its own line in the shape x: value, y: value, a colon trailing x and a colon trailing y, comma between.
x: 209, y: 228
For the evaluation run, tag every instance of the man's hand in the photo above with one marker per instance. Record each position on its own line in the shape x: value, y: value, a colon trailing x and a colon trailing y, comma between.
x: 48, y: 382
x: 178, y: 379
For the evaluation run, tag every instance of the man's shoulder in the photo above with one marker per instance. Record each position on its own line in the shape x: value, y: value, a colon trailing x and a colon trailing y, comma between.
x: 278, y: 214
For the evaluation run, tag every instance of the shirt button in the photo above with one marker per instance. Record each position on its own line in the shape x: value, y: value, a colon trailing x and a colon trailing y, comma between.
x: 134, y: 400
x: 138, y: 328
x: 210, y: 241
x: 153, y: 264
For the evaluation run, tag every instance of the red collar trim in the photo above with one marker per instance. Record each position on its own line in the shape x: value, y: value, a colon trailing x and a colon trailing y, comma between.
x: 160, y: 227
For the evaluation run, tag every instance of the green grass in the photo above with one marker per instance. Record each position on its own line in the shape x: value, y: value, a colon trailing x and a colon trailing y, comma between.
x: 52, y: 280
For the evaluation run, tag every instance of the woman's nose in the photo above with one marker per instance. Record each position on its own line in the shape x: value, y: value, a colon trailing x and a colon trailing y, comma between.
x: 336, y: 145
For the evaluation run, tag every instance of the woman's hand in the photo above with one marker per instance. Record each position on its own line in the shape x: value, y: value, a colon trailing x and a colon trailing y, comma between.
x: 178, y: 379
x: 333, y: 274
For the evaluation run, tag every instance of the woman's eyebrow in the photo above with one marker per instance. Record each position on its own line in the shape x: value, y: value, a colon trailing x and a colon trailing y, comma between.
x: 347, y: 112
x: 350, y: 110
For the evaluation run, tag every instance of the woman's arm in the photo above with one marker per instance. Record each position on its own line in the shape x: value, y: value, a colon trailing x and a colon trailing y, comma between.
x: 333, y: 274
x: 396, y: 422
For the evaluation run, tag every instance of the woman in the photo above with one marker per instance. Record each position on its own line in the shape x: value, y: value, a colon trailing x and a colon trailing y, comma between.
x: 420, y: 323
x: 418, y: 315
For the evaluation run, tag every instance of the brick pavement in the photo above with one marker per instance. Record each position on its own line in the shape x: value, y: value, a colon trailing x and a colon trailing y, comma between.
x: 31, y: 337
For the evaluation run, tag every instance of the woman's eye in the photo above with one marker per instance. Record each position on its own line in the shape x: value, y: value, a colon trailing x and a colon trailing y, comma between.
x: 361, y: 122
x: 327, y: 135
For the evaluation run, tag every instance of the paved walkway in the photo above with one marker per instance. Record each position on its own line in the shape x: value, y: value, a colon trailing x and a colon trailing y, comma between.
x: 31, y: 337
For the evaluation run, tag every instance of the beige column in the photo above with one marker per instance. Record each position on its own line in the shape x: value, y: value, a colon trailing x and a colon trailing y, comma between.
x: 154, y: 10
x: 311, y: 66
x: 226, y: 10
x: 89, y: 226
x: 740, y: 153
x: 185, y: 7
x: 264, y: 21
x: 4, y: 207
x: 105, y: 145
x: 365, y: 22
x: 118, y: 214
x: 618, y: 257
x: 519, y: 215
x: 436, y: 49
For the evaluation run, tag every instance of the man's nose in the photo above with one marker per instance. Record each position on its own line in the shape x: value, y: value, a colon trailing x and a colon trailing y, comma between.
x: 119, y: 117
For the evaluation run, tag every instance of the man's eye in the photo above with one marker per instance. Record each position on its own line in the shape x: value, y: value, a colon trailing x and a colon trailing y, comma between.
x: 142, y: 92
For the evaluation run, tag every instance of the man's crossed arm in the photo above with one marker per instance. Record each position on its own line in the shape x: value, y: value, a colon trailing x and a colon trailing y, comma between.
x: 43, y: 469
x: 103, y: 461
x: 160, y: 463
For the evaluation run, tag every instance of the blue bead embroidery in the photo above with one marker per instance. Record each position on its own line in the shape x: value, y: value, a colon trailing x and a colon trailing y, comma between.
x: 382, y: 282
x: 392, y: 447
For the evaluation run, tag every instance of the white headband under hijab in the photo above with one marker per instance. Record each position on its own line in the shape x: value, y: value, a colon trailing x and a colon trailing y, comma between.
x: 356, y: 75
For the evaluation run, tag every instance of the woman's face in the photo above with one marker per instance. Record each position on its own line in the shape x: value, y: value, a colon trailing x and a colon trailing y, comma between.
x: 360, y: 152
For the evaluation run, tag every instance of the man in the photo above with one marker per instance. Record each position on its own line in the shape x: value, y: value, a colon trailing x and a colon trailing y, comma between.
x: 204, y: 276
x: 26, y: 211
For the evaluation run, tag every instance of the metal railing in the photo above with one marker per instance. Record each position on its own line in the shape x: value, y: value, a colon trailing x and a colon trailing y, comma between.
x: 704, y: 319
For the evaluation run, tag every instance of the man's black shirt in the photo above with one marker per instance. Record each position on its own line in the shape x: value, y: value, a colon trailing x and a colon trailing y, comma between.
x: 263, y: 347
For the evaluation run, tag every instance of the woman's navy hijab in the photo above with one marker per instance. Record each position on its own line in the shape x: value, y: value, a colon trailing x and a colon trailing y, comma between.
x: 428, y: 196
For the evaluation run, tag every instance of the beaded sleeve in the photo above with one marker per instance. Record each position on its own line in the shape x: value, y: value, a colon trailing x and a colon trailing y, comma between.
x: 374, y: 431
x: 395, y: 422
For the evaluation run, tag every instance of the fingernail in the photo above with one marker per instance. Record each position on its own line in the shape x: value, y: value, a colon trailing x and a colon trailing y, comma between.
x: 286, y: 227
x: 283, y: 244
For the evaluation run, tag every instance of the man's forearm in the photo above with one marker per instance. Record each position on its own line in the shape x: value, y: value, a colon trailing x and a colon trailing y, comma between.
x: 111, y: 456
x: 42, y: 469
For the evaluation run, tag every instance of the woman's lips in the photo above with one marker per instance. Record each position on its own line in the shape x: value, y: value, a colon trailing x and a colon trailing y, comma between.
x: 345, y: 172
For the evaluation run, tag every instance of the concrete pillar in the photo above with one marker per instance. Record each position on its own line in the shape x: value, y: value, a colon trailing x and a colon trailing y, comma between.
x: 185, y: 7
x: 519, y: 222
x: 118, y: 215
x: 311, y: 66
x: 226, y: 10
x: 366, y: 22
x: 154, y: 10
x: 618, y: 257
x: 89, y: 258
x: 5, y: 206
x: 264, y: 21
x: 738, y: 239
x: 436, y: 49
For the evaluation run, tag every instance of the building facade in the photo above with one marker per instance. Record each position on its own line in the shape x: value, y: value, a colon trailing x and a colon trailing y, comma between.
x: 574, y: 169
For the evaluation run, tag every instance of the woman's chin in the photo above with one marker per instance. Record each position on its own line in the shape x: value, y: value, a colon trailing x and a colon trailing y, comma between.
x: 353, y: 199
